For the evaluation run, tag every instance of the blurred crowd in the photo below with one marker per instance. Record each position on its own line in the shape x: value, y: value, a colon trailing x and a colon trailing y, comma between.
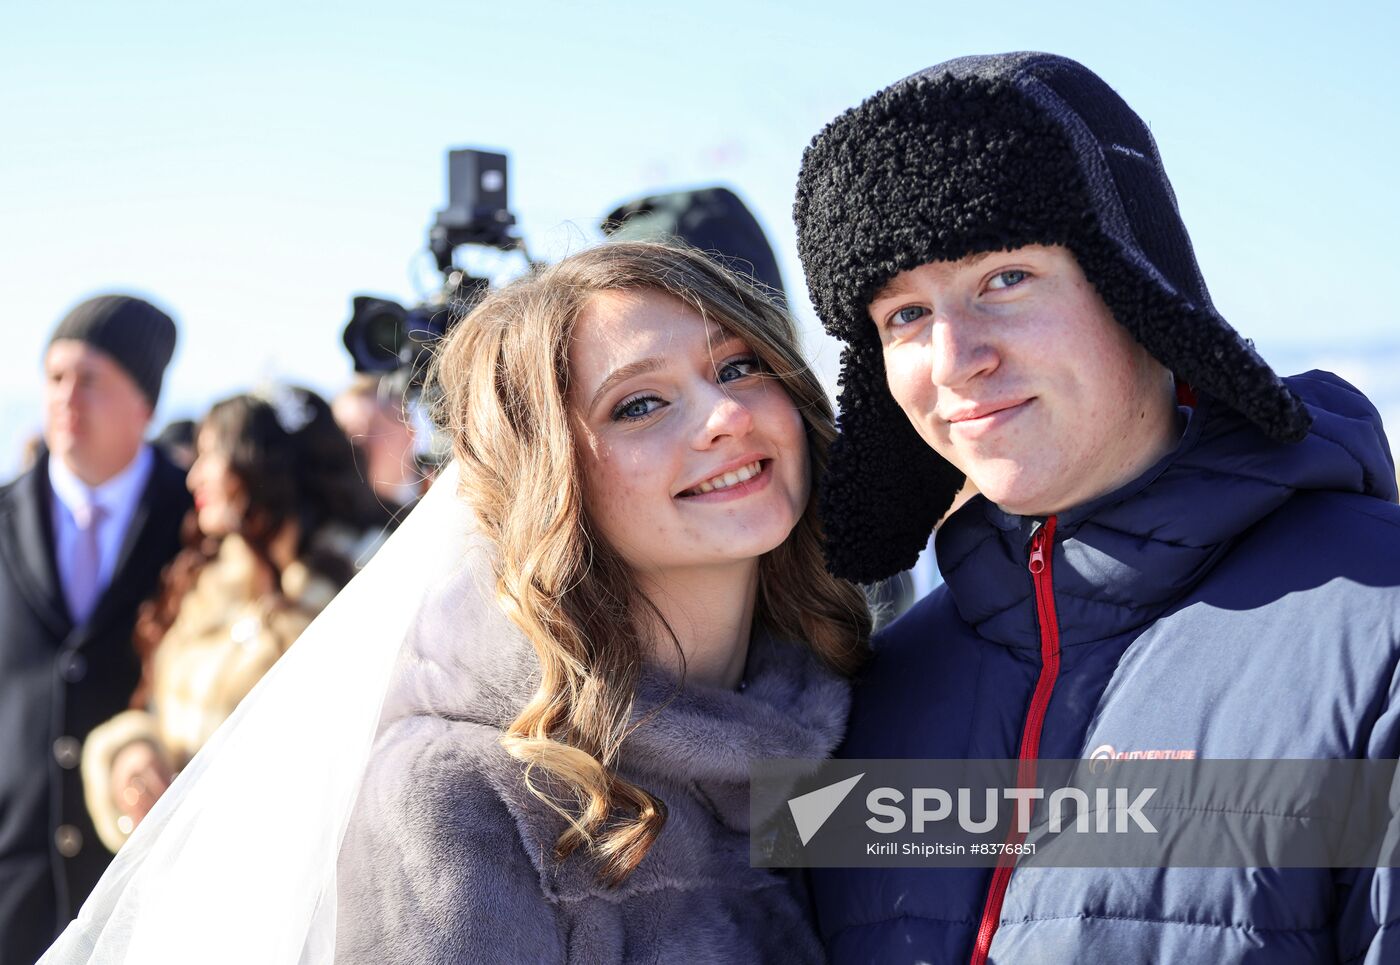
x: 149, y: 579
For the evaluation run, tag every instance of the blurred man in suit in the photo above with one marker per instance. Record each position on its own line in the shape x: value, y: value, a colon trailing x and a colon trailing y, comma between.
x: 84, y: 535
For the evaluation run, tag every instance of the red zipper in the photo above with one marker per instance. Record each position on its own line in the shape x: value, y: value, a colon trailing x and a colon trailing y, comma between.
x: 1042, y: 552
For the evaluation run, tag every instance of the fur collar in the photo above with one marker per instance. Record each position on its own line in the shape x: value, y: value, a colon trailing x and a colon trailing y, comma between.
x: 464, y: 660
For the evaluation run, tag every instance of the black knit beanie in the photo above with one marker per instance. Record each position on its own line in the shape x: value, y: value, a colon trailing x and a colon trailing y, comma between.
x: 990, y: 154
x: 138, y: 336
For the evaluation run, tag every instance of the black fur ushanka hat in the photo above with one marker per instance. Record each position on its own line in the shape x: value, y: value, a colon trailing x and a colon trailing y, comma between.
x: 989, y: 154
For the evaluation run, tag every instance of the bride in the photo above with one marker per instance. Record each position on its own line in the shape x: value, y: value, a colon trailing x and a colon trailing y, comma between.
x: 523, y: 733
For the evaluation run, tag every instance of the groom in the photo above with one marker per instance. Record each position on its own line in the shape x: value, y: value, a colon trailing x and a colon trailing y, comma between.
x: 1173, y: 549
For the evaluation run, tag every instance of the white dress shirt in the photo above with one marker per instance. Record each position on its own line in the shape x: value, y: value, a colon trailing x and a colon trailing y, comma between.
x: 118, y: 497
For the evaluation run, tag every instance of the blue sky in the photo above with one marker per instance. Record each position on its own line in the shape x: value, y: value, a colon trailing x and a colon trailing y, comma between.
x: 252, y: 166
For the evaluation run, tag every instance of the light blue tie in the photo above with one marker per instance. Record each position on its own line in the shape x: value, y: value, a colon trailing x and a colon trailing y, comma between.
x: 82, y: 588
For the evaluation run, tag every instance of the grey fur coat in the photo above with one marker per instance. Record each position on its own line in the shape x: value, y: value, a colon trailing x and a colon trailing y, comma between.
x: 447, y: 858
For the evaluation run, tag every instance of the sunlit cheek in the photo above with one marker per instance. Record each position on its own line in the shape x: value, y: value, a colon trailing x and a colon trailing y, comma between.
x: 627, y: 488
x: 588, y: 445
x: 614, y: 494
x: 786, y: 414
x: 907, y: 373
x: 592, y: 466
x: 801, y: 470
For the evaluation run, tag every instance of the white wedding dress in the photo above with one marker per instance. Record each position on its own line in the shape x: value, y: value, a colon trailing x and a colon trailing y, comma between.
x: 237, y: 861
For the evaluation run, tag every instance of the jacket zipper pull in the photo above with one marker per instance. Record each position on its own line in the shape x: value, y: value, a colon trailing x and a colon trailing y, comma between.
x: 1037, y: 560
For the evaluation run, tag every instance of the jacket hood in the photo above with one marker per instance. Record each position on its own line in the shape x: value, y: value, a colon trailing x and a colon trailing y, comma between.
x: 1123, y: 559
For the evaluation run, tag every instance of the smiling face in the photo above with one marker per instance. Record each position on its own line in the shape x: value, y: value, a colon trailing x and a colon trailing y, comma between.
x: 220, y: 500
x: 1013, y: 369
x: 690, y: 455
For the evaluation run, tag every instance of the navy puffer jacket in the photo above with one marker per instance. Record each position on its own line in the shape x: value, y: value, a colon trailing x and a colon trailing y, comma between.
x: 1241, y: 599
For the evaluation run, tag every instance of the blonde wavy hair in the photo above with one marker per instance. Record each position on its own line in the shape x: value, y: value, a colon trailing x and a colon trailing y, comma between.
x: 572, y: 596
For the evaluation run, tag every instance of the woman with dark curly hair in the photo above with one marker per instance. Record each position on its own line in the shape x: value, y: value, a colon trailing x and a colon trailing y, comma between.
x: 281, y: 519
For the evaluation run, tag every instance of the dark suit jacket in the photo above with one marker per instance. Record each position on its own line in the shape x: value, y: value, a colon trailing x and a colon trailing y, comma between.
x: 57, y: 682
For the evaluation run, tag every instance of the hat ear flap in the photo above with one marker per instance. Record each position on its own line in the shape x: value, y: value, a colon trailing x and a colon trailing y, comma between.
x: 884, y: 488
x: 1194, y: 343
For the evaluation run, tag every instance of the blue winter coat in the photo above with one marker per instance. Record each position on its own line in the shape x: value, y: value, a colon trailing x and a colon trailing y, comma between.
x: 1241, y: 599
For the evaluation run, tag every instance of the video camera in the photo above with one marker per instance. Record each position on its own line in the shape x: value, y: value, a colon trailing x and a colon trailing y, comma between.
x: 385, y: 337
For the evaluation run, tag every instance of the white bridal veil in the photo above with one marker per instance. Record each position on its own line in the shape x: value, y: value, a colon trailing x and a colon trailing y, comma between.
x: 236, y: 862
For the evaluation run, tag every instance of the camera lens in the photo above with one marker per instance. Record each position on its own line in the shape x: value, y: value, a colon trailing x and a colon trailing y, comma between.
x: 382, y: 334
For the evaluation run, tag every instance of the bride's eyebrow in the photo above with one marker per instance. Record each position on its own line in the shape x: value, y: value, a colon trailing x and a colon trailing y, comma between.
x: 717, y: 335
x: 622, y: 374
x: 726, y: 338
